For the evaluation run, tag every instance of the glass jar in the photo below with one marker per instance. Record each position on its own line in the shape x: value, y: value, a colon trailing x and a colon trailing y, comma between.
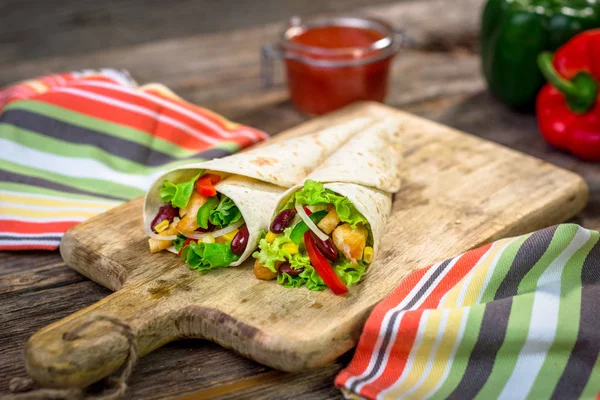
x: 332, y: 62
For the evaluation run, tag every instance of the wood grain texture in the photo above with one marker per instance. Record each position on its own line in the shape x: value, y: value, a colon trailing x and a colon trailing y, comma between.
x: 458, y: 192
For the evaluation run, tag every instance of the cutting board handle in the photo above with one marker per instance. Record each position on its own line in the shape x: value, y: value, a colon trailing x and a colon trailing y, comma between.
x: 95, y: 342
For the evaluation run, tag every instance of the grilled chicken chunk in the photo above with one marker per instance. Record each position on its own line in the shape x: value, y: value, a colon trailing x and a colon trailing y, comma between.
x: 329, y: 222
x: 350, y: 241
x: 159, y: 245
x: 188, y: 223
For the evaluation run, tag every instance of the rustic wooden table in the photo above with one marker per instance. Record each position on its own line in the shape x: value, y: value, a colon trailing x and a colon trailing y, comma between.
x: 438, y: 78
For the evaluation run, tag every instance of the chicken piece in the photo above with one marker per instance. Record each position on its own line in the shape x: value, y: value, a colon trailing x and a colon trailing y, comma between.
x: 188, y: 223
x: 350, y: 241
x: 159, y: 245
x: 264, y: 273
x: 329, y: 222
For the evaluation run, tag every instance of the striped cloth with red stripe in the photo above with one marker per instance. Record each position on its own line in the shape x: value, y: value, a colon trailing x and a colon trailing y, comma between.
x: 516, y: 319
x: 77, y: 144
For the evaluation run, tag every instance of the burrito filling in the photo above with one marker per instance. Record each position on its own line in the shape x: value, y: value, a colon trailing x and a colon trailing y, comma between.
x: 204, y: 227
x: 318, y: 239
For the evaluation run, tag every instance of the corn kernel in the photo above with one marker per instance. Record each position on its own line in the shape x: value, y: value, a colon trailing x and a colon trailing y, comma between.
x: 270, y: 238
x: 162, y: 226
x: 291, y: 248
x: 368, y: 254
x: 208, y: 239
x: 229, y: 236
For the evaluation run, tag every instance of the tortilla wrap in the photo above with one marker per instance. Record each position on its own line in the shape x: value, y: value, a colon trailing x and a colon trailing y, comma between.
x: 259, y: 177
x: 287, y: 162
x: 366, y: 171
x: 371, y: 158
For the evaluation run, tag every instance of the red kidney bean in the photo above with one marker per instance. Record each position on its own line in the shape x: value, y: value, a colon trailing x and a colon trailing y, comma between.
x: 166, y: 212
x: 326, y: 247
x: 240, y: 241
x: 287, y: 268
x: 282, y: 220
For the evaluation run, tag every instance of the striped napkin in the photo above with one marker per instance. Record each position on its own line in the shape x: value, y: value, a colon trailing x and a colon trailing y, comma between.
x: 516, y: 319
x: 74, y: 145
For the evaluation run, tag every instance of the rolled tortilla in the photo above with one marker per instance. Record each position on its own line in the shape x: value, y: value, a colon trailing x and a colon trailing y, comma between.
x: 371, y: 158
x: 366, y: 171
x: 287, y: 162
x: 255, y: 179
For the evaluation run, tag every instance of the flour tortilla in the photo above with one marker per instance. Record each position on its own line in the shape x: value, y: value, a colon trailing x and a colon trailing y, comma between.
x: 287, y: 162
x: 371, y: 158
x: 255, y: 179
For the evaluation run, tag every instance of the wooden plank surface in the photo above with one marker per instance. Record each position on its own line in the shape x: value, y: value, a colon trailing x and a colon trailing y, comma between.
x: 458, y: 192
x: 439, y: 78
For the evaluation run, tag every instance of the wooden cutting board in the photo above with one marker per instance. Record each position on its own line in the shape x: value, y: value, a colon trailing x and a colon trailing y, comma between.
x: 458, y: 192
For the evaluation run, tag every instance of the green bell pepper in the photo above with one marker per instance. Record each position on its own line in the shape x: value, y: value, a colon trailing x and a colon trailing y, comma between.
x: 514, y: 32
x: 301, y: 228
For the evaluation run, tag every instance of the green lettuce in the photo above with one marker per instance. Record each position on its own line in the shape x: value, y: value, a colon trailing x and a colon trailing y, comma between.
x: 205, y: 256
x: 225, y: 213
x: 350, y: 273
x: 308, y: 277
x: 269, y: 253
x: 177, y: 243
x: 178, y: 194
x: 204, y: 212
x: 314, y: 193
x: 312, y: 279
x: 289, y: 281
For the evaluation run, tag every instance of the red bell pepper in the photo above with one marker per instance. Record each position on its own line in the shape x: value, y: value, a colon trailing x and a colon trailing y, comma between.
x: 204, y: 185
x: 568, y: 107
x: 322, y: 266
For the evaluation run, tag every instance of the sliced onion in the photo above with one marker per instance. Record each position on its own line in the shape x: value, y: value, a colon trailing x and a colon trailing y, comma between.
x: 156, y: 236
x: 218, y: 233
x: 311, y: 225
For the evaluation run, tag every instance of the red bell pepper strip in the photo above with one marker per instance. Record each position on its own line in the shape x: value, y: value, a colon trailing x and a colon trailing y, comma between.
x: 568, y: 107
x: 204, y: 185
x: 322, y: 266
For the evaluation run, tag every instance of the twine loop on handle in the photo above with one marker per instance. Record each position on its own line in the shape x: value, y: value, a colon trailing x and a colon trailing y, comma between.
x: 22, y: 388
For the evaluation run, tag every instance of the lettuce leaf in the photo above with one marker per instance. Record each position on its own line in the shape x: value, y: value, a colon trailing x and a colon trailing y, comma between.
x: 314, y: 193
x: 178, y: 194
x: 205, y: 256
x: 308, y: 277
x: 269, y: 253
x: 289, y: 281
x: 350, y: 273
x: 204, y: 212
x: 177, y: 243
x: 312, y: 279
x: 226, y: 213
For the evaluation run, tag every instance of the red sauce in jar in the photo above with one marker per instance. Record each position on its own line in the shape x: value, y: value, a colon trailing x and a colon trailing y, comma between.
x: 338, y: 37
x: 333, y: 66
